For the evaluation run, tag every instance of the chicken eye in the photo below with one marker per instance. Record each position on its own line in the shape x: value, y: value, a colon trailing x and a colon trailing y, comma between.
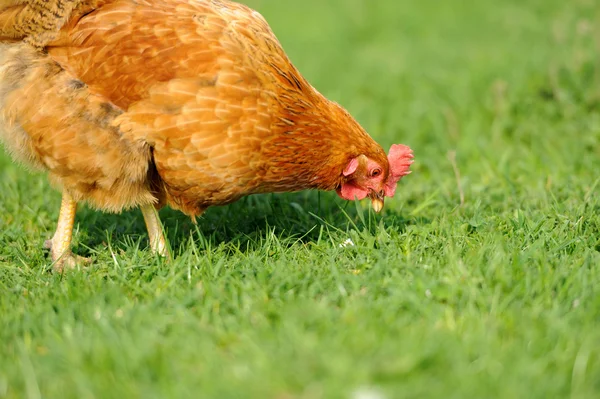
x: 375, y: 172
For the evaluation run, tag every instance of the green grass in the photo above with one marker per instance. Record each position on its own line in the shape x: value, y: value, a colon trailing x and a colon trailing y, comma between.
x: 496, y: 297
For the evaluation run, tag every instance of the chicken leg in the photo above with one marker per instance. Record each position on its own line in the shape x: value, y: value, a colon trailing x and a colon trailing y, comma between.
x: 156, y: 237
x: 60, y: 244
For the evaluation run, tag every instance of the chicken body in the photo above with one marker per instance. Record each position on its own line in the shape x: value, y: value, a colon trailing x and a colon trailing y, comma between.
x: 190, y: 103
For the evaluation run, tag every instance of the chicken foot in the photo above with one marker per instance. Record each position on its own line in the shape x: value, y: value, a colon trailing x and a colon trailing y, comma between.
x: 60, y: 244
x: 158, y: 244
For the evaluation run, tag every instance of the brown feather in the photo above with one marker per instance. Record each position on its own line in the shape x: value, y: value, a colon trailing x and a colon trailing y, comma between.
x: 199, y: 92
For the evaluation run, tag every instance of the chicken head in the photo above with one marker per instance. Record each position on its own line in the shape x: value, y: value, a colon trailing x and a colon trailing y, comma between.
x: 365, y: 177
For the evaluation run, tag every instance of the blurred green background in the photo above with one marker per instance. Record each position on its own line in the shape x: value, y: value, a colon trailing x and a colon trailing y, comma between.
x: 480, y: 279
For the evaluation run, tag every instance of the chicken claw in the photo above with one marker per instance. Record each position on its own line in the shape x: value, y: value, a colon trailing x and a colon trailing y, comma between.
x: 60, y: 244
x: 158, y: 244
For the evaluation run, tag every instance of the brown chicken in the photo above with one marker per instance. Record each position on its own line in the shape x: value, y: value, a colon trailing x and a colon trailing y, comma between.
x: 190, y: 103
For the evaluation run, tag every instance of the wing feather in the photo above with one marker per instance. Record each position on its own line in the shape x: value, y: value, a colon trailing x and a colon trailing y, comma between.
x: 191, y: 84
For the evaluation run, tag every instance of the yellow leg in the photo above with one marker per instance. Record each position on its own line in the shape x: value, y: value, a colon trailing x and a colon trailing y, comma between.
x: 60, y: 245
x: 158, y: 243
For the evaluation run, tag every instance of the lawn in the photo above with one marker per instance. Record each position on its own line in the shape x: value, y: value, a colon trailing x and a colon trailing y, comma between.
x: 481, y: 279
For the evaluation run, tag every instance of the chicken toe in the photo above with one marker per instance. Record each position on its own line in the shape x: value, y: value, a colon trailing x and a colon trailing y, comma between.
x: 69, y: 261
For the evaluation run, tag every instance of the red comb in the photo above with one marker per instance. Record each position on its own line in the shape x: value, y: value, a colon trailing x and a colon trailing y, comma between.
x: 400, y: 158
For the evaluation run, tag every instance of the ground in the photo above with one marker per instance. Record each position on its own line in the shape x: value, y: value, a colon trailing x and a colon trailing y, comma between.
x: 480, y: 279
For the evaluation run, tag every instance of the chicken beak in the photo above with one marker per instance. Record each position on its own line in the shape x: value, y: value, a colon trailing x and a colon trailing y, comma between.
x: 377, y: 202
